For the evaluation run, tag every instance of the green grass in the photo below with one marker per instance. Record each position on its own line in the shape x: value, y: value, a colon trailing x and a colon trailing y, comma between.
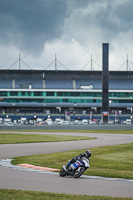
x: 79, y: 131
x: 110, y: 161
x: 30, y: 195
x: 12, y: 138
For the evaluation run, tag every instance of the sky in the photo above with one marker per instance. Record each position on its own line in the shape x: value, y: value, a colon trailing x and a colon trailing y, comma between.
x: 65, y: 34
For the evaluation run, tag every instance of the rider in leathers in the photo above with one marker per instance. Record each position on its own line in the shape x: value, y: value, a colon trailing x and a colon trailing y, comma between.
x: 86, y: 154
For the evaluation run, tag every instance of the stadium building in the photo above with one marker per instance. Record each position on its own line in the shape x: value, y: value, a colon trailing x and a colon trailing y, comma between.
x: 69, y: 94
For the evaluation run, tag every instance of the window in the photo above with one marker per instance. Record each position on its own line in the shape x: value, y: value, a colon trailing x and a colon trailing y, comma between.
x: 84, y: 94
x: 74, y: 94
x: 26, y: 93
x: 62, y: 94
x: 65, y: 100
x: 13, y: 93
x: 29, y: 93
x: 50, y: 94
x: 38, y: 94
x: 3, y: 93
x: 23, y: 93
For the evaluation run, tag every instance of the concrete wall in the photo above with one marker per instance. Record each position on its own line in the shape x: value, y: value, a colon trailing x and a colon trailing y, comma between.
x: 69, y: 127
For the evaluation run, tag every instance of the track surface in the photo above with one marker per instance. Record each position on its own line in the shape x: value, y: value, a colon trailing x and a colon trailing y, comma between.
x: 24, y: 180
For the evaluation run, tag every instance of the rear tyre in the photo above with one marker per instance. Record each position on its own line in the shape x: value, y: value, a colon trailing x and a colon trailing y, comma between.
x: 62, y: 173
x: 78, y: 172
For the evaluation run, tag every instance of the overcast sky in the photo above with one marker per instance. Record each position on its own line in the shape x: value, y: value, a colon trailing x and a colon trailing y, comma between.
x: 74, y: 30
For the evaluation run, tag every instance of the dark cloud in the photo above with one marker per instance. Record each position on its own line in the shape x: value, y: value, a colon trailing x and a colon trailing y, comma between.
x: 116, y: 18
x: 110, y: 17
x: 124, y: 13
x: 28, y: 24
x: 74, y: 4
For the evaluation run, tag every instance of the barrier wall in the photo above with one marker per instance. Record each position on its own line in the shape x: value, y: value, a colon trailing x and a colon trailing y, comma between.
x: 69, y: 127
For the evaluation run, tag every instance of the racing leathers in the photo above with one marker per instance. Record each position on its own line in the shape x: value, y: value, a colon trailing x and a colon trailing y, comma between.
x: 81, y: 155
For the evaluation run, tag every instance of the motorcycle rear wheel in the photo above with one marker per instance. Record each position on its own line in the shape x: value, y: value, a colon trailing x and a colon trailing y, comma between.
x: 78, y: 172
x: 62, y: 173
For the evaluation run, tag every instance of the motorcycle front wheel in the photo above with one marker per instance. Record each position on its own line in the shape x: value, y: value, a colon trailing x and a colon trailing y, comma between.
x: 62, y: 173
x: 78, y: 172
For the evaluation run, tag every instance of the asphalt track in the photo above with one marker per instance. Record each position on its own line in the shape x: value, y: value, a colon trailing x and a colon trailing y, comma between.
x: 51, y: 182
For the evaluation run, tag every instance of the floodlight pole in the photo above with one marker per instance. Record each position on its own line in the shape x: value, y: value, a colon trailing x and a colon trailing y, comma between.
x: 19, y: 61
x: 55, y: 62
x: 127, y: 63
x: 91, y: 63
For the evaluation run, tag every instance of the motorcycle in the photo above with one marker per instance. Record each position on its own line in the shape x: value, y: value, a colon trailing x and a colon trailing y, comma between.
x: 76, y: 169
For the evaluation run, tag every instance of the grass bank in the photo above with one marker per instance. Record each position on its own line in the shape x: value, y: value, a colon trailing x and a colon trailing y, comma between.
x: 12, y: 138
x: 110, y: 161
x: 30, y: 195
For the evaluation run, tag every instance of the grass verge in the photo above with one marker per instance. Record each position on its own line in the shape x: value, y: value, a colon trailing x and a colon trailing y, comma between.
x: 30, y: 195
x: 78, y: 131
x: 12, y: 138
x: 110, y: 161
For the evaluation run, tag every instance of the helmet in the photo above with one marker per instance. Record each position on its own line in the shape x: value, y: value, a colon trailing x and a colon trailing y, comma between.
x: 87, y: 153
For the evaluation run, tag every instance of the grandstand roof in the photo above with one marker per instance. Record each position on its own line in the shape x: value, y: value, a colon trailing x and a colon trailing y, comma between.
x: 55, y: 72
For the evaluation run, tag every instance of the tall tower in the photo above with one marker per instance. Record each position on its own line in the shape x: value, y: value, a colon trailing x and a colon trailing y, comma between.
x: 105, y: 82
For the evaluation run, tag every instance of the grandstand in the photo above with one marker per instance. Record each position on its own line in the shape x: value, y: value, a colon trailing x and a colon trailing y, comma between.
x: 63, y: 93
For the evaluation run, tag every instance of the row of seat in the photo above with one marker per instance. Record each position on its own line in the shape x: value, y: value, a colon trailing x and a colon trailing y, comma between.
x: 63, y: 84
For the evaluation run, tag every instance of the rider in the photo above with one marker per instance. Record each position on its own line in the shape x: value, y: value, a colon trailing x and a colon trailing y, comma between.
x: 86, y: 154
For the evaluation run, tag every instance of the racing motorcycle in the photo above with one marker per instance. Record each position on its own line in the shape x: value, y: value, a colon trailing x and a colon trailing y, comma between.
x: 76, y: 169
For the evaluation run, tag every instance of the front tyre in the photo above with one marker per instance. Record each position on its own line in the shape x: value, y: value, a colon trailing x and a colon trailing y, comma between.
x: 78, y: 172
x: 62, y: 173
